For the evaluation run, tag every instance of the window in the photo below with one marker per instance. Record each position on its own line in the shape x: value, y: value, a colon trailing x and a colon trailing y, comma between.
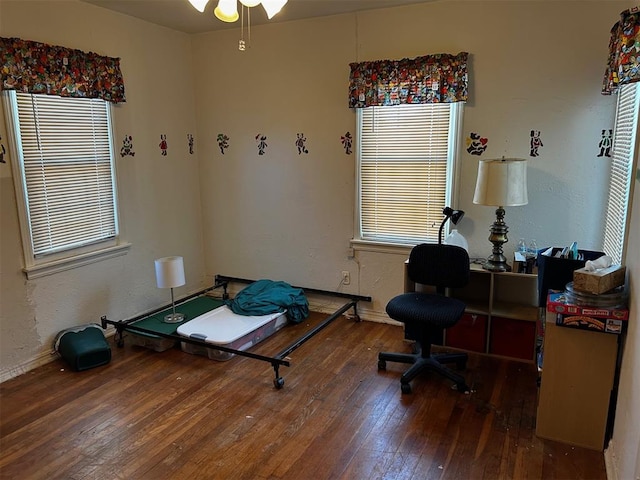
x: 622, y: 168
x: 65, y: 179
x: 406, y: 161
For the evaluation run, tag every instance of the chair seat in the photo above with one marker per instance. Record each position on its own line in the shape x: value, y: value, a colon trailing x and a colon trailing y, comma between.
x: 431, y: 310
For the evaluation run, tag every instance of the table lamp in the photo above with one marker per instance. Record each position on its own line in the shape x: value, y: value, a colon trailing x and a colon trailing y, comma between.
x: 170, y: 274
x: 501, y: 183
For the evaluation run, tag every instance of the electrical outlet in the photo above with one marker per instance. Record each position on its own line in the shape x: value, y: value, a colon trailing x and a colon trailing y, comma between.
x: 346, y: 277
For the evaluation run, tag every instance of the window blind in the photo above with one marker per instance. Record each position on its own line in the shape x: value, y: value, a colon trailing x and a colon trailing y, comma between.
x: 66, y: 161
x: 621, y: 177
x: 405, y: 158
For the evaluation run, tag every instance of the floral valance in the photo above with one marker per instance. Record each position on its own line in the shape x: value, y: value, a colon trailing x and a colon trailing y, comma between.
x: 439, y: 78
x: 623, y: 65
x: 35, y: 67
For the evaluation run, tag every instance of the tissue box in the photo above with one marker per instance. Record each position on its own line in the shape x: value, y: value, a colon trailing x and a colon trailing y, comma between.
x: 599, y: 281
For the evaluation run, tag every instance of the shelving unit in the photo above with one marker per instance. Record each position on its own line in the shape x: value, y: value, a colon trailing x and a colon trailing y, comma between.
x: 501, y: 317
x: 502, y: 308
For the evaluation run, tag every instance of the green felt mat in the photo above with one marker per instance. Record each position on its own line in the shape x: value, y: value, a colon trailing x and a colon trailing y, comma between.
x: 191, y: 309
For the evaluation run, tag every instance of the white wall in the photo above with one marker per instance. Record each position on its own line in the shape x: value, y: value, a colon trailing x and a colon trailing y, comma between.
x: 290, y: 216
x: 159, y: 197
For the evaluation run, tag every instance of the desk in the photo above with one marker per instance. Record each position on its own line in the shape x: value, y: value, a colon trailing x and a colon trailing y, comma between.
x: 576, y: 385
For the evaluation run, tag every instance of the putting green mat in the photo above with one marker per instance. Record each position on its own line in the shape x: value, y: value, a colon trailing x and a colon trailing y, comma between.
x: 191, y: 309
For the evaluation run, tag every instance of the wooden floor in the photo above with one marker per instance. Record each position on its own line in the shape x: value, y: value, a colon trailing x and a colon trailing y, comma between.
x: 172, y: 415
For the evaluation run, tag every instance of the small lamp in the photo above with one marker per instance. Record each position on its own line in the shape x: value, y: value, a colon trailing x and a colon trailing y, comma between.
x: 449, y: 213
x: 170, y: 274
x: 501, y: 183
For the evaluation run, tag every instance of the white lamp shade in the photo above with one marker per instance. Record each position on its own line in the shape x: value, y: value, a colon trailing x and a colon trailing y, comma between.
x: 502, y: 183
x: 169, y: 272
x: 227, y: 11
x: 273, y: 6
x: 250, y: 3
x: 199, y: 4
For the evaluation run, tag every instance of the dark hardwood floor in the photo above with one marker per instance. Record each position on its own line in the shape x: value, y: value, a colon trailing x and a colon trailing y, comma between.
x: 172, y: 415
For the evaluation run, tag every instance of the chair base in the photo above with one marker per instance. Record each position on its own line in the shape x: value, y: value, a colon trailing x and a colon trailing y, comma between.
x: 433, y: 363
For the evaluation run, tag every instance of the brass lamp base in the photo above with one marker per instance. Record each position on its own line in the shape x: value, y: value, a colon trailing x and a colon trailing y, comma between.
x: 497, y: 262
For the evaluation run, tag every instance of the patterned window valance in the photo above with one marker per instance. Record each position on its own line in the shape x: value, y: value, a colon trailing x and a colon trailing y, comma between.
x: 623, y: 65
x: 439, y: 78
x: 34, y: 67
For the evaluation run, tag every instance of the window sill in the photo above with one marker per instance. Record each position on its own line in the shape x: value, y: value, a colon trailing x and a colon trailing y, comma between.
x: 49, y: 268
x: 379, y: 247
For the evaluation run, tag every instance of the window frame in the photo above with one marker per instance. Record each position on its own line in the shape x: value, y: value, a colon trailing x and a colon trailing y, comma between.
x: 623, y: 167
x: 36, y: 266
x: 359, y: 242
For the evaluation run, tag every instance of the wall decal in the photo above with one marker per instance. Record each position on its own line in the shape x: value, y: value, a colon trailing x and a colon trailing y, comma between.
x: 190, y: 140
x: 476, y: 145
x: 605, y: 143
x: 223, y: 142
x: 346, y: 142
x: 163, y: 145
x: 2, y: 152
x: 300, y: 143
x: 262, y: 143
x: 536, y: 143
x: 127, y: 147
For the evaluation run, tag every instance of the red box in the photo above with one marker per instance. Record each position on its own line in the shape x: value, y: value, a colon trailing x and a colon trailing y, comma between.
x: 512, y: 338
x: 594, y: 324
x: 470, y: 333
x: 556, y: 303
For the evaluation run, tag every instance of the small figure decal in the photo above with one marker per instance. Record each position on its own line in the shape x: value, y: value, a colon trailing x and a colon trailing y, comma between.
x: 300, y: 143
x: 190, y: 140
x: 346, y: 142
x: 262, y: 143
x: 223, y: 142
x: 163, y: 145
x: 536, y: 143
x: 127, y: 147
x: 2, y: 152
x: 476, y: 145
x: 605, y: 143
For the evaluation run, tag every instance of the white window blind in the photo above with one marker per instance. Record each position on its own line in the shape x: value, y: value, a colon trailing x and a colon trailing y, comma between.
x: 405, y: 157
x: 65, y: 156
x: 621, y: 177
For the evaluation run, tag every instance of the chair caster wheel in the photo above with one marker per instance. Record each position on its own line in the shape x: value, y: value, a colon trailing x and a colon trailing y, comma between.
x: 405, y: 387
x: 278, y: 383
x: 382, y: 365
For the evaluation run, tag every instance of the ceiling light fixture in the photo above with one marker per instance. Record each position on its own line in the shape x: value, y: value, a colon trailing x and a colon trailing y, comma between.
x: 227, y: 11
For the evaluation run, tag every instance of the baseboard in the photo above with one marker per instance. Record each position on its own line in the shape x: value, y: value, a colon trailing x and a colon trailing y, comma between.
x: 610, y: 463
x: 40, y: 359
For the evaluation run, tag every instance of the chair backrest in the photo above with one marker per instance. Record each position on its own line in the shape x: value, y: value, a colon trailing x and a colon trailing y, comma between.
x: 442, y: 266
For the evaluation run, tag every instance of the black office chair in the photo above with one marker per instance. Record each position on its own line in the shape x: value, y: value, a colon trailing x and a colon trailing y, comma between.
x: 426, y: 315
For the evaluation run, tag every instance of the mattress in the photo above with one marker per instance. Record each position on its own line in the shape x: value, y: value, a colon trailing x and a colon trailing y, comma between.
x: 224, y: 328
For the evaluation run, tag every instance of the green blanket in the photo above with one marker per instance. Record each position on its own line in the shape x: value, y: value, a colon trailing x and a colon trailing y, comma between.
x: 267, y: 296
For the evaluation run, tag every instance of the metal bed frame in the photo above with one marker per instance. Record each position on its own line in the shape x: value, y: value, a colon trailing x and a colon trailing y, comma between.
x: 280, y: 359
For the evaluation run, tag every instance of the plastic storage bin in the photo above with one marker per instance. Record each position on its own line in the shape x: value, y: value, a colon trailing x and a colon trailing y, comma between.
x: 225, y: 328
